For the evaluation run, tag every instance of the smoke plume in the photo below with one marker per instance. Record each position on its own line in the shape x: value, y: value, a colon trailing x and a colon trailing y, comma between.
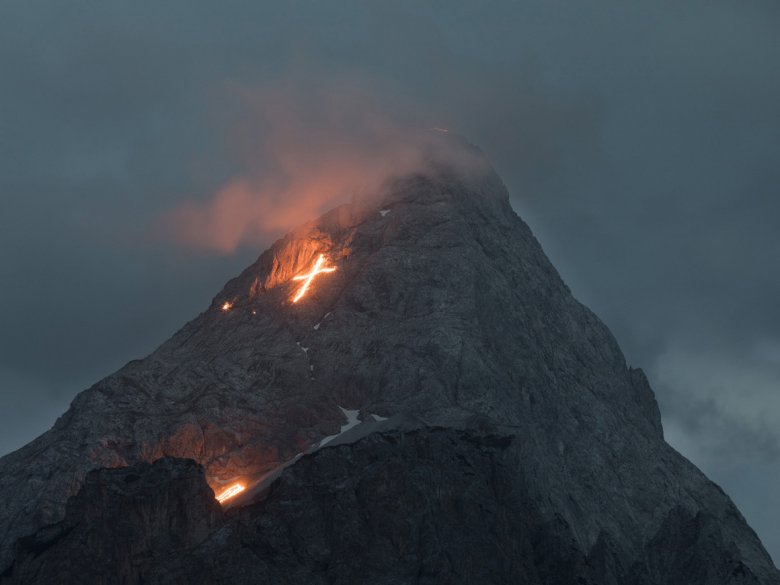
x: 305, y: 149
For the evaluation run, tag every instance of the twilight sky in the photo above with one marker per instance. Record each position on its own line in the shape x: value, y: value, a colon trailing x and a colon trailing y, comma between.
x: 640, y: 141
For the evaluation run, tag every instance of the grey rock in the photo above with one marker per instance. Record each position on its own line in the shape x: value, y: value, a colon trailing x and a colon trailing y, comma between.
x: 121, y: 523
x: 424, y: 506
x: 444, y: 311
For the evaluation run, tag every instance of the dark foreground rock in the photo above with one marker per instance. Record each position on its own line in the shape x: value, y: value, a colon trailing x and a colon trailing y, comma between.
x: 121, y: 523
x: 438, y: 506
x: 427, y: 506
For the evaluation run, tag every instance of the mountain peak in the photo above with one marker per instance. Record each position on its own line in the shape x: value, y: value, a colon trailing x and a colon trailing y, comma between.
x: 438, y: 309
x: 343, y: 231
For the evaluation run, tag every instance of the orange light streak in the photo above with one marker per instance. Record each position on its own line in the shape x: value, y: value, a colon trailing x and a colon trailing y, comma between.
x: 307, y: 278
x: 230, y: 492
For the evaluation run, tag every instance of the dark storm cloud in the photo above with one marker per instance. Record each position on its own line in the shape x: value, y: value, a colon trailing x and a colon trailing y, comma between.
x: 639, y: 140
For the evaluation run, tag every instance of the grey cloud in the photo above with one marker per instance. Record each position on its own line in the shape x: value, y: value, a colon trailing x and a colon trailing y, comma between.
x: 730, y: 403
x: 28, y: 408
x: 720, y: 408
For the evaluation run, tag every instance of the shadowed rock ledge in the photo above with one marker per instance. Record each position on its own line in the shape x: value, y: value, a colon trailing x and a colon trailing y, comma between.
x: 426, y: 506
x: 120, y: 523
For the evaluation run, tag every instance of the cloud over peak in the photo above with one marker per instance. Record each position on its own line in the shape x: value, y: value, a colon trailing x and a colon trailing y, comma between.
x: 305, y: 147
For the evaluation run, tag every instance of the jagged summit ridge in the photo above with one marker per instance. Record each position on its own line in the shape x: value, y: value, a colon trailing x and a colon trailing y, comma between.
x: 442, y: 308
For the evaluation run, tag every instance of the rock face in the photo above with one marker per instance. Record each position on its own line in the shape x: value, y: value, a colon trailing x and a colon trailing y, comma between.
x: 431, y: 505
x: 503, y: 393
x: 436, y: 506
x: 121, y: 523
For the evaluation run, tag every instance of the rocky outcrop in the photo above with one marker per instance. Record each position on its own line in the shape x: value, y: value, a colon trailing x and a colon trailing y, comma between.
x: 442, y: 309
x: 433, y: 506
x: 120, y: 524
x: 426, y: 506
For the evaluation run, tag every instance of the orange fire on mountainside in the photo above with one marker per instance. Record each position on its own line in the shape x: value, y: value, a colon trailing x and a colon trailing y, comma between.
x: 226, y: 306
x: 230, y: 492
x: 307, y: 278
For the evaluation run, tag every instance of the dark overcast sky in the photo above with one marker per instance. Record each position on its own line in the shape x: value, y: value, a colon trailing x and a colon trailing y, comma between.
x: 640, y: 141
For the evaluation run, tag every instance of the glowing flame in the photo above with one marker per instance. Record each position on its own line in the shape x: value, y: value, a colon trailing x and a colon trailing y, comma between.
x: 226, y: 306
x: 230, y: 492
x: 307, y: 278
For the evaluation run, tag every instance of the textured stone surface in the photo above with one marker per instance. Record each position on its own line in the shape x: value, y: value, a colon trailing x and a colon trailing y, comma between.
x: 121, y: 523
x: 430, y: 505
x: 445, y: 309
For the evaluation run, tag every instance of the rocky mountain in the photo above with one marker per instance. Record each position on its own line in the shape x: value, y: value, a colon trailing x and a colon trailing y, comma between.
x: 492, y: 431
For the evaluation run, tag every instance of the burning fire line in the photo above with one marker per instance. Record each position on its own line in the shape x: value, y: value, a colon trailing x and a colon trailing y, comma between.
x: 307, y: 278
x: 230, y: 492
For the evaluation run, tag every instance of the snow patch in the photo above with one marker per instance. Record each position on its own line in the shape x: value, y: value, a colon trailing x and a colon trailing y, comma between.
x: 378, y: 418
x: 352, y: 421
x: 325, y: 316
x: 384, y: 212
x: 304, y: 349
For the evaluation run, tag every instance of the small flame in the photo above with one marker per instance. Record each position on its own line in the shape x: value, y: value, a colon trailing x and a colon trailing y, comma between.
x: 307, y: 278
x: 230, y: 492
x: 226, y: 306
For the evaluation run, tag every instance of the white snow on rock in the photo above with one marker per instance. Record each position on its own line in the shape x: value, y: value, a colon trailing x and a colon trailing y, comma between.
x: 325, y: 316
x: 352, y: 420
x: 384, y: 212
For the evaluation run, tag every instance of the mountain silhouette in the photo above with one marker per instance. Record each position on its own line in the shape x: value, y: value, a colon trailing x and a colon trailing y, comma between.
x: 436, y: 407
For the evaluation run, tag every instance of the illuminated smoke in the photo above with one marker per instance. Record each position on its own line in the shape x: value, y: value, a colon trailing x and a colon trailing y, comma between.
x: 303, y: 151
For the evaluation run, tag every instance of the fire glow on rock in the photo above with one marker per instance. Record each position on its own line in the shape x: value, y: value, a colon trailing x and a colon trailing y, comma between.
x: 307, y: 278
x: 230, y: 492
